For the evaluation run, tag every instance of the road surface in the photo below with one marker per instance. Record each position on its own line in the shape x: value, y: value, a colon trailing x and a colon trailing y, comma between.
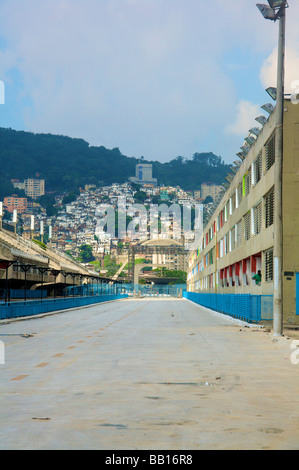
x: 146, y: 374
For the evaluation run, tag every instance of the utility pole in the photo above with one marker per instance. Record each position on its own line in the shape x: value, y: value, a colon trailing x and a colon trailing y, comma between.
x: 277, y: 11
x: 278, y: 217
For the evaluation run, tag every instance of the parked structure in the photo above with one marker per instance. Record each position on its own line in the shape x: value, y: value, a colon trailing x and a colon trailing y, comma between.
x: 238, y: 240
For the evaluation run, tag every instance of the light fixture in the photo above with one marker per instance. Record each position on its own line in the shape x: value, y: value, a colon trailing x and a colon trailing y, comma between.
x: 245, y: 147
x: 261, y: 120
x: 234, y: 169
x: 241, y: 155
x: 229, y: 178
x: 274, y: 10
x: 267, y: 12
x: 272, y: 92
x: 255, y: 131
x: 250, y: 140
x: 268, y: 107
x: 276, y: 4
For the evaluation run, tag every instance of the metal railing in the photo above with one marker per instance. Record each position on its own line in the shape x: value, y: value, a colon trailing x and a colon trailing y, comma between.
x: 247, y: 307
x: 36, y: 307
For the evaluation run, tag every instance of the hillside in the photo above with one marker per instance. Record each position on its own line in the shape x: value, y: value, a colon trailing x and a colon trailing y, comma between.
x: 68, y: 163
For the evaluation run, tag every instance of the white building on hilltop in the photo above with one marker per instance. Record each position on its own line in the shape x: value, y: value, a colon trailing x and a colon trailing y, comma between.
x: 144, y: 175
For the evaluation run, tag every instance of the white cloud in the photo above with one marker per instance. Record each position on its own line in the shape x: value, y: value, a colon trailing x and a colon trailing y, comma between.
x: 268, y: 74
x: 269, y: 69
x: 134, y: 75
x: 246, y: 113
x: 146, y: 76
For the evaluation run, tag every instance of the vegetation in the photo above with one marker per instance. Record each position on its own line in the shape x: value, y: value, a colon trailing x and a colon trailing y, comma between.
x: 85, y: 254
x: 68, y: 164
x: 48, y: 203
x: 111, y: 265
x: 181, y: 276
x: 70, y: 197
x: 39, y: 243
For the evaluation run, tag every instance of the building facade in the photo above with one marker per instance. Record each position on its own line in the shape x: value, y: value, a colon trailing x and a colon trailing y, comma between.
x: 144, y: 175
x: 209, y: 189
x: 34, y: 188
x: 197, y: 195
x: 238, y: 240
x: 12, y: 203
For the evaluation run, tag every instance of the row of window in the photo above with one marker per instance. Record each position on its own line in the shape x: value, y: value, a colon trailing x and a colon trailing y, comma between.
x: 238, y: 274
x: 251, y: 224
x: 250, y: 179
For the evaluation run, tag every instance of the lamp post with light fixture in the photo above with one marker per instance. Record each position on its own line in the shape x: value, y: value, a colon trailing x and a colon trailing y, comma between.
x: 277, y: 11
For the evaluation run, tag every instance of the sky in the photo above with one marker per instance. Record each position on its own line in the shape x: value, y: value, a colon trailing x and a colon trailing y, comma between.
x: 155, y: 78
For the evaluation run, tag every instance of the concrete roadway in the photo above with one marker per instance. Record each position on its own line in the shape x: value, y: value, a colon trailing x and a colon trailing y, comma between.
x: 146, y: 374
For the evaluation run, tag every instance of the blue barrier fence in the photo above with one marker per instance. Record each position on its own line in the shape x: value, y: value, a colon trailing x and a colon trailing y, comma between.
x: 35, y: 307
x: 247, y: 307
x: 21, y: 293
x: 155, y: 290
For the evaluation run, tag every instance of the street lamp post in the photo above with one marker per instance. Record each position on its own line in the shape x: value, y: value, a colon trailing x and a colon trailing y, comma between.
x: 277, y: 11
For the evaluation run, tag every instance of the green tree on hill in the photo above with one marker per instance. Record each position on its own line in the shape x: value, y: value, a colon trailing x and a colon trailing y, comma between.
x: 68, y: 164
x: 85, y: 254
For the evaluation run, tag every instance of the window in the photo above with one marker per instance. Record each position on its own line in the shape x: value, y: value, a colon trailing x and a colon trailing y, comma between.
x: 210, y: 257
x: 237, y: 198
x: 258, y: 168
x: 225, y: 280
x: 232, y: 206
x: 221, y: 248
x: 239, y: 194
x: 269, y: 265
x: 221, y: 282
x: 239, y: 233
x: 269, y: 208
x: 257, y: 219
x: 233, y: 238
x: 226, y: 211
x: 246, y: 183
x: 226, y: 238
x: 270, y: 152
x: 247, y: 225
x: 221, y: 218
x: 237, y: 273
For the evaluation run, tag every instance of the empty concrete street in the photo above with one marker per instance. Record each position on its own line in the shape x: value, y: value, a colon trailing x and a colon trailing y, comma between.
x: 146, y: 374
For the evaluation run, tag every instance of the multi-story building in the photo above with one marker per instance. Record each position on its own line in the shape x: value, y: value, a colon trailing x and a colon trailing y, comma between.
x: 197, y: 195
x: 15, y: 203
x: 34, y: 188
x: 17, y: 184
x: 144, y: 175
x: 174, y: 261
x: 210, y: 189
x: 238, y: 240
